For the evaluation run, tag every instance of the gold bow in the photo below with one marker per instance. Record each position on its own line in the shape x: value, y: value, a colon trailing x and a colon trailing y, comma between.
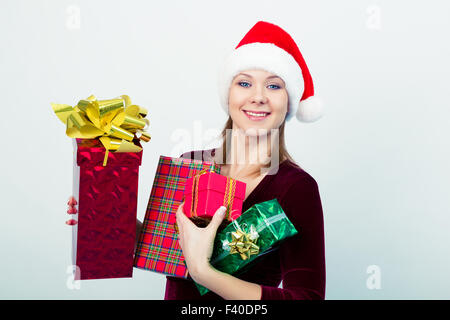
x: 114, y: 121
x: 244, y: 243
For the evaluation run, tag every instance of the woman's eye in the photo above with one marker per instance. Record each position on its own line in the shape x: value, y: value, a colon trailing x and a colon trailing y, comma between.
x: 246, y: 85
x: 243, y: 84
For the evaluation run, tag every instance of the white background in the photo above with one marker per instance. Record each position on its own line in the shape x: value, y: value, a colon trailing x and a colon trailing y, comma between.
x: 380, y: 154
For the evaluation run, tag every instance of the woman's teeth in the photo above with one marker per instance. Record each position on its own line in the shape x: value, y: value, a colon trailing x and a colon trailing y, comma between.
x: 256, y: 114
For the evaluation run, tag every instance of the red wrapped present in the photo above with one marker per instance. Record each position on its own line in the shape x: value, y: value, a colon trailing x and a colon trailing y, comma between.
x: 158, y: 249
x: 104, y: 235
x: 207, y: 191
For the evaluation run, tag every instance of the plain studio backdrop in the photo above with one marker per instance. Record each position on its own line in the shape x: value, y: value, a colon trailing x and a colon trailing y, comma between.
x: 380, y: 154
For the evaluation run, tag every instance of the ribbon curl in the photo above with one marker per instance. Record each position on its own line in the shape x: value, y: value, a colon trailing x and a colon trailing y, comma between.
x: 115, y: 122
x: 244, y: 243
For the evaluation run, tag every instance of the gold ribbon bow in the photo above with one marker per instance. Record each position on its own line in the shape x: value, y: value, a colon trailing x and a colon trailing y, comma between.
x: 227, y: 199
x: 244, y: 243
x: 114, y: 121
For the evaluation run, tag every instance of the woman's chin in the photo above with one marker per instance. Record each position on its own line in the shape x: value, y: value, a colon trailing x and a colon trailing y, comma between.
x: 255, y: 131
x: 254, y: 128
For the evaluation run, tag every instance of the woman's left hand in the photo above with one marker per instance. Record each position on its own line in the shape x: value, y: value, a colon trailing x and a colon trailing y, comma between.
x: 197, y: 243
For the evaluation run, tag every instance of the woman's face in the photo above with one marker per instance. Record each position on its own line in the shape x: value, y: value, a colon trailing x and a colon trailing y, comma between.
x: 257, y: 100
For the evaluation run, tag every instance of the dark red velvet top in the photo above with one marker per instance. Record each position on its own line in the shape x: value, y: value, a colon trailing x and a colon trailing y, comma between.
x: 299, y: 262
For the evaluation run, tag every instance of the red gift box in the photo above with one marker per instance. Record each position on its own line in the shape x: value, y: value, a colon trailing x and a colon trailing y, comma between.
x: 205, y: 192
x: 158, y: 248
x: 104, y: 235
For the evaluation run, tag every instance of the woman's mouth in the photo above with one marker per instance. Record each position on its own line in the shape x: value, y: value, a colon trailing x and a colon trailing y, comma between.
x: 256, y: 115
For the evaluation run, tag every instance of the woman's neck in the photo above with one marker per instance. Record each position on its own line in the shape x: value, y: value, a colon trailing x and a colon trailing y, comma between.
x: 247, y: 153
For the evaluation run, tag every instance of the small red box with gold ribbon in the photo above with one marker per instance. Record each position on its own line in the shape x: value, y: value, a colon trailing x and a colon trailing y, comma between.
x: 206, y: 191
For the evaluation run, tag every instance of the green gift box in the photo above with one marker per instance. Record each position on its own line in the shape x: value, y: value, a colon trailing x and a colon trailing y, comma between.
x: 257, y: 231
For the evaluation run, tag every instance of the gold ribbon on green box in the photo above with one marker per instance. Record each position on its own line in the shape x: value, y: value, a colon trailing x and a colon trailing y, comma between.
x: 114, y: 121
x: 244, y: 243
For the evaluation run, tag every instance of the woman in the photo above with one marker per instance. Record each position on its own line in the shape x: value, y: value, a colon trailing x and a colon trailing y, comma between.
x: 260, y: 89
x: 261, y: 85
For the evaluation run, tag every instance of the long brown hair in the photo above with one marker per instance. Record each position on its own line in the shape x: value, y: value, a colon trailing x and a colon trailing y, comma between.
x: 283, y: 154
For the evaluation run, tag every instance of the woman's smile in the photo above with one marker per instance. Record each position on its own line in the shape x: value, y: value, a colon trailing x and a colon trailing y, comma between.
x: 256, y: 115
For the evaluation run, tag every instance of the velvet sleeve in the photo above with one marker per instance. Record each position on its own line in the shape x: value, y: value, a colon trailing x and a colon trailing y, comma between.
x: 302, y: 257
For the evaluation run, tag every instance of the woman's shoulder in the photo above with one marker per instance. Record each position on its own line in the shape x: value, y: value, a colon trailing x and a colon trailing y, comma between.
x: 291, y: 175
x: 298, y: 195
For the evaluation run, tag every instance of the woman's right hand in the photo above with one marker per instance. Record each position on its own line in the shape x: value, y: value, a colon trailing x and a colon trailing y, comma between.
x: 72, y: 209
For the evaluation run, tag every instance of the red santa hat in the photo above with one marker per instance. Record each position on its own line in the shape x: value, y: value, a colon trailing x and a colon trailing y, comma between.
x: 268, y: 47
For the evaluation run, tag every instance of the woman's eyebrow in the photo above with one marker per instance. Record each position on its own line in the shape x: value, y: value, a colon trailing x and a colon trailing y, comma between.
x: 244, y: 74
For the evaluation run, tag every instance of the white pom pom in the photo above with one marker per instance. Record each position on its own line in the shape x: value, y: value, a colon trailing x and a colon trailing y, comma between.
x: 310, y: 109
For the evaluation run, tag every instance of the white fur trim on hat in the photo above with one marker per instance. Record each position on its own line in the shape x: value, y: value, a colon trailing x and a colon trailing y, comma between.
x: 310, y: 109
x: 266, y: 56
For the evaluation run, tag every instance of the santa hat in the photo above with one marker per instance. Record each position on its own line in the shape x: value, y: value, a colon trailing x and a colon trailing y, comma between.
x: 268, y: 47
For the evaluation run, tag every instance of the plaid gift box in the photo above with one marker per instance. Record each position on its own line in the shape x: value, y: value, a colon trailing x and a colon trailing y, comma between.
x: 206, y: 191
x: 104, y: 236
x: 158, y: 249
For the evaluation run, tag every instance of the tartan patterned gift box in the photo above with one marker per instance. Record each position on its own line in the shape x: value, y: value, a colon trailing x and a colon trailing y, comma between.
x: 158, y: 249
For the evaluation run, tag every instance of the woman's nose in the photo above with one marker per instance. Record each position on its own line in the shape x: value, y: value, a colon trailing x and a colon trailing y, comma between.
x: 259, y: 96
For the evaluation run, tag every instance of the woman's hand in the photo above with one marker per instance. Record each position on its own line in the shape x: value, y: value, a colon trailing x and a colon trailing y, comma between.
x: 197, y: 243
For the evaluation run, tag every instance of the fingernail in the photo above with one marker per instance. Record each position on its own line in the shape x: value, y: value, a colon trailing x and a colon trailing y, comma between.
x: 71, y: 222
x: 72, y: 201
x: 72, y: 210
x: 222, y: 210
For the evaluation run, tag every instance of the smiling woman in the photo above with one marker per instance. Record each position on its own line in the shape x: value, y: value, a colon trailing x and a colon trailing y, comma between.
x: 251, y: 94
x: 264, y: 83
x: 257, y: 99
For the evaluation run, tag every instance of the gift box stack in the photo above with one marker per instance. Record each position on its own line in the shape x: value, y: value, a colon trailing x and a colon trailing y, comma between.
x: 243, y: 238
x: 107, y: 155
x: 158, y: 248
